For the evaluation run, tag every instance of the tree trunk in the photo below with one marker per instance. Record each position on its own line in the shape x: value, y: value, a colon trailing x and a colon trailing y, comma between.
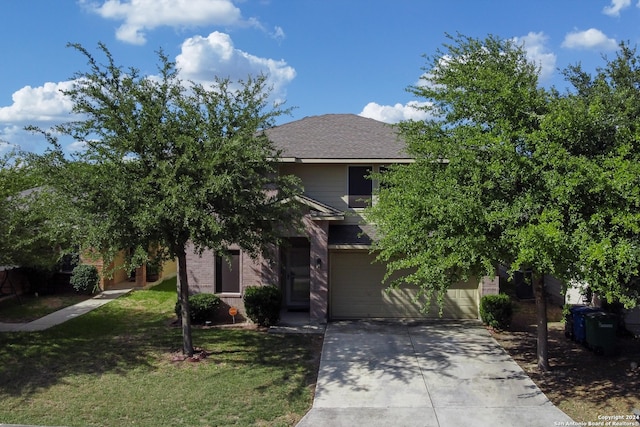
x: 183, y: 298
x: 541, y: 320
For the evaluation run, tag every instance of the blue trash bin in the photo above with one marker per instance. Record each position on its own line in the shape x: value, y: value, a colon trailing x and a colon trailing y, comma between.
x: 579, y: 324
x: 568, y: 321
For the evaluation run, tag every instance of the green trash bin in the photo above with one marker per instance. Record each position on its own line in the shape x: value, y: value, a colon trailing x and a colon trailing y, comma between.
x: 601, y: 332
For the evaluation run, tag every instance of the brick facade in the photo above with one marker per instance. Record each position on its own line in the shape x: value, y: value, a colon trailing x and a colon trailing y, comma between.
x: 265, y: 270
x: 489, y: 286
x: 253, y: 272
x: 319, y: 280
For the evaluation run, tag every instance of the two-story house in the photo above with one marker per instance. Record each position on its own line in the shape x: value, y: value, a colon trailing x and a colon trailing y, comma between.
x: 328, y: 269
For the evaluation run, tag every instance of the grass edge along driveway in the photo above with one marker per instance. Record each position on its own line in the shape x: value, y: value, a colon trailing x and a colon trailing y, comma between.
x: 115, y: 367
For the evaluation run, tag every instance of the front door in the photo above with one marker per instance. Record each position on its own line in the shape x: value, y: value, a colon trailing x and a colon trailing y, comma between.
x: 296, y: 273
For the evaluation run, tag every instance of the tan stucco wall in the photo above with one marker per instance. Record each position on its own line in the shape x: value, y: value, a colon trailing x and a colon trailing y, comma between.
x: 357, y: 291
x: 328, y: 184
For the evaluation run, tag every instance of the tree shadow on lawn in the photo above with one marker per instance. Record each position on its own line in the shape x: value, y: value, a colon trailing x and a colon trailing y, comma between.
x: 584, y: 384
x: 296, y: 355
x: 129, y: 333
x: 105, y: 340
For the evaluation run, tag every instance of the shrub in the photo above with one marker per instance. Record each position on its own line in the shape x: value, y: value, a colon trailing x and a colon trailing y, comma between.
x: 85, y: 279
x: 203, y: 307
x: 263, y: 304
x: 496, y: 310
x: 153, y: 270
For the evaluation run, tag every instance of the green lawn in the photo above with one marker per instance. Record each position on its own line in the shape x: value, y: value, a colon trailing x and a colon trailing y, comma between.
x: 30, y: 307
x: 113, y: 367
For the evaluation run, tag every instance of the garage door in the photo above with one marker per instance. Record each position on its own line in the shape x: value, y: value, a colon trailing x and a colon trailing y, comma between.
x: 356, y: 292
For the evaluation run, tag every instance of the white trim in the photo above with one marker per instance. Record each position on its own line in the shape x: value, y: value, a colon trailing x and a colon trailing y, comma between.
x: 327, y: 218
x: 349, y: 247
x: 320, y: 211
x: 314, y: 204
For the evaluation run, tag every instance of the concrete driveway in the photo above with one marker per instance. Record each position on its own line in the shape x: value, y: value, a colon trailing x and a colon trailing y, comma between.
x: 423, y: 373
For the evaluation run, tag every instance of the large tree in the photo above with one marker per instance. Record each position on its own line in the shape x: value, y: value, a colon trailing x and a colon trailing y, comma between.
x: 591, y: 140
x: 502, y: 176
x: 168, y: 163
x: 30, y: 231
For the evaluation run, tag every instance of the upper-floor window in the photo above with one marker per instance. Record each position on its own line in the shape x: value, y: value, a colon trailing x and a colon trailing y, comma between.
x: 360, y: 186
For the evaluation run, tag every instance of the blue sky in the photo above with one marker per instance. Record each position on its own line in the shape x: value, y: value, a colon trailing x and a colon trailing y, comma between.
x: 322, y: 56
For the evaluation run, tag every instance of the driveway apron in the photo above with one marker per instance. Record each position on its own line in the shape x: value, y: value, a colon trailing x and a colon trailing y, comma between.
x: 436, y: 373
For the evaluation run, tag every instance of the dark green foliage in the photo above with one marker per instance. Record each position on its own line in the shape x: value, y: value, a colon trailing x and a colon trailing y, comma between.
x: 154, y: 269
x: 263, y: 304
x: 203, y: 307
x: 509, y: 173
x: 596, y: 126
x: 496, y: 310
x: 35, y: 221
x: 471, y: 189
x: 85, y: 278
x: 185, y: 163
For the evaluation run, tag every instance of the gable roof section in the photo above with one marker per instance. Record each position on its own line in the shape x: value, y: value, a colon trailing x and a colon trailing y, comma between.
x: 338, y: 137
x: 319, y: 210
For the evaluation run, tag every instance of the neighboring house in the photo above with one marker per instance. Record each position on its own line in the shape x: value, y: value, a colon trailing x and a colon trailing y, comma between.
x: 328, y: 269
x: 118, y: 277
x: 14, y: 281
x: 575, y: 295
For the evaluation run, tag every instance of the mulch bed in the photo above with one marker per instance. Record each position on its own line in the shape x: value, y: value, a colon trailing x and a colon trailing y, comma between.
x: 583, y: 384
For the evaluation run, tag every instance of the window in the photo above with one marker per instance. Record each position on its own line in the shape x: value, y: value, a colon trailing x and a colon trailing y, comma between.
x: 359, y: 186
x: 228, y: 273
x: 69, y: 262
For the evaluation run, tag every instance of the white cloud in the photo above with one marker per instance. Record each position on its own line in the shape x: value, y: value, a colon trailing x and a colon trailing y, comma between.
x: 201, y: 60
x: 616, y: 6
x: 278, y: 33
x: 589, y: 39
x: 8, y: 133
x: 15, y: 137
x: 535, y: 46
x: 395, y: 113
x: 6, y: 136
x: 204, y: 58
x: 142, y: 15
x: 77, y: 146
x: 42, y: 103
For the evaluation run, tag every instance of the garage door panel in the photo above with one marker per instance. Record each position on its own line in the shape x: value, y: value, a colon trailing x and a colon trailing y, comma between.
x: 357, y: 291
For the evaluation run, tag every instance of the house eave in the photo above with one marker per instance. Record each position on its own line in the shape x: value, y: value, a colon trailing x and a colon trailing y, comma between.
x: 321, y: 217
x: 349, y: 247
x: 344, y: 160
x: 319, y: 211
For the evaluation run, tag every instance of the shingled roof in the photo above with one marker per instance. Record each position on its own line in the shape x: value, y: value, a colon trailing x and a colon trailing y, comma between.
x: 338, y: 136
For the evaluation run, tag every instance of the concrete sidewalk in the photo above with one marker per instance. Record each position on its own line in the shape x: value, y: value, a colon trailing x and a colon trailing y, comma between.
x: 65, y: 314
x: 423, y: 373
